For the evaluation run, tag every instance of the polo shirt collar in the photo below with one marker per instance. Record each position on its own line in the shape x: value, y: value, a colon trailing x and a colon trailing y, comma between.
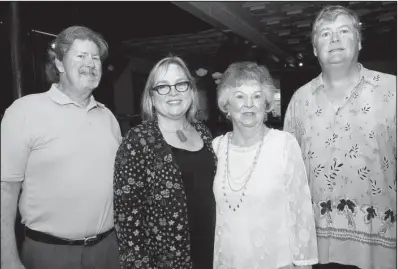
x: 364, y: 75
x: 62, y: 99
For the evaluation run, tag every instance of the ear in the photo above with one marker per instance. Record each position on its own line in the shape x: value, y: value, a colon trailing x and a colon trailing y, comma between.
x: 359, y: 45
x: 60, y: 66
x: 315, y: 53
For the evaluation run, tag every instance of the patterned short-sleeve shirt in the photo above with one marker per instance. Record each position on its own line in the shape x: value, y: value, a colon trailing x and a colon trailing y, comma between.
x: 350, y: 155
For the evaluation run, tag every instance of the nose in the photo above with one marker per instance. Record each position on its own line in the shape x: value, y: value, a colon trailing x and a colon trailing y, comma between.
x: 335, y: 37
x: 173, y: 90
x: 89, y: 61
x: 248, y: 102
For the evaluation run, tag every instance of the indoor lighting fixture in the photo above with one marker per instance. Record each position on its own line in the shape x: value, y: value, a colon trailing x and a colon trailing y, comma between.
x: 201, y: 72
x: 300, y: 64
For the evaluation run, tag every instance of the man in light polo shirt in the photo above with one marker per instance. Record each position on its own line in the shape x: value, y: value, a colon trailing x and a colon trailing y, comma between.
x: 60, y: 147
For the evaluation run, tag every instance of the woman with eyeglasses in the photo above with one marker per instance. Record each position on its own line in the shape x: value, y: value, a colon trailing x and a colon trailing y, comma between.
x: 163, y: 179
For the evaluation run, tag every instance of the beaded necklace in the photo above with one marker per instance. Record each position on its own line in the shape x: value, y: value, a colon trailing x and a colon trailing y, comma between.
x: 227, y: 174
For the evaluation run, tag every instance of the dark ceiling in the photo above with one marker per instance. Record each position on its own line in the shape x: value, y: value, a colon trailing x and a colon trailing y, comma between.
x: 150, y: 29
x: 116, y: 21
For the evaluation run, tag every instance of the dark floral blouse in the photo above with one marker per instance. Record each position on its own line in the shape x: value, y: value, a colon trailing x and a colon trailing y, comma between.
x: 151, y: 218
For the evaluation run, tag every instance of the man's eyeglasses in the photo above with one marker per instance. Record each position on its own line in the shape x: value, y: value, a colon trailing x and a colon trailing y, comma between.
x: 165, y: 89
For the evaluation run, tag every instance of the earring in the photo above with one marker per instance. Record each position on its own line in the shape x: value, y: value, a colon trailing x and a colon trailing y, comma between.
x: 228, y: 116
x: 265, y: 117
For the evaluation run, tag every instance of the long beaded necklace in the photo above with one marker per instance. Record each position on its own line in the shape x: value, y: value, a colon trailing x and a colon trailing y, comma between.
x: 227, y: 174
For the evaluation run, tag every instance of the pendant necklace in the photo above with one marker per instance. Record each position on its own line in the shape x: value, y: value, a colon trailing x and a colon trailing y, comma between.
x: 180, y: 134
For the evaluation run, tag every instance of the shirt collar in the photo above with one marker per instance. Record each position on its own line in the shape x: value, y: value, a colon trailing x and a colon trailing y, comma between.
x: 62, y: 99
x: 364, y: 75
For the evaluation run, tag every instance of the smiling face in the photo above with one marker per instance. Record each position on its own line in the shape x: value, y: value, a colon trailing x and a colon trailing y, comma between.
x: 175, y: 104
x: 336, y: 41
x: 80, y: 69
x: 247, y: 104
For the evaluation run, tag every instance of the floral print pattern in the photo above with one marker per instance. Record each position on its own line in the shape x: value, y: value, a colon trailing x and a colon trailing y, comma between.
x: 150, y: 206
x: 351, y: 168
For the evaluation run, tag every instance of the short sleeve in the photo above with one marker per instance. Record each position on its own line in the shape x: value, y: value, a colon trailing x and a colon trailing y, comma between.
x: 15, y: 143
x: 116, y: 129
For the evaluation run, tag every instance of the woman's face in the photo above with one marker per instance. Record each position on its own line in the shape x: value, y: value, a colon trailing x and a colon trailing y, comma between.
x: 174, y: 104
x: 81, y: 66
x: 247, y: 104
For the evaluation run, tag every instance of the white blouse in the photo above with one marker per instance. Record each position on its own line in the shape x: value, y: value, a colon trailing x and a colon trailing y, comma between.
x: 266, y: 221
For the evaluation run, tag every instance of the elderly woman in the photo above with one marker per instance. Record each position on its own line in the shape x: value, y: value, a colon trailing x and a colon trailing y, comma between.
x: 263, y: 204
x: 60, y: 145
x: 163, y: 179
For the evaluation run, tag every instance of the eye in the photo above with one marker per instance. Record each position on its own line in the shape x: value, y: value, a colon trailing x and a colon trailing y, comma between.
x: 182, y: 86
x: 96, y: 58
x: 257, y: 96
x: 344, y: 31
x: 325, y: 34
x: 239, y: 96
x: 81, y: 56
x: 162, y: 87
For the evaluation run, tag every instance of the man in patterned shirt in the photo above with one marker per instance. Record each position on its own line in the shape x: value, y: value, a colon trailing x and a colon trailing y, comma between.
x: 345, y: 122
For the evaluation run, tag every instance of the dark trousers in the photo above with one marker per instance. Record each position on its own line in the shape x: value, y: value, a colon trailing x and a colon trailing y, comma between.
x: 103, y: 255
x: 333, y: 266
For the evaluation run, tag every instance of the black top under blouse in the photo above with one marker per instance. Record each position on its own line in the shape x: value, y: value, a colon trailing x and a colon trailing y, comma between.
x: 197, y: 168
x: 151, y: 205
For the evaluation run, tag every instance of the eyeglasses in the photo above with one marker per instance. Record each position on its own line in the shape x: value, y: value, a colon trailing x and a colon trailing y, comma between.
x: 165, y: 89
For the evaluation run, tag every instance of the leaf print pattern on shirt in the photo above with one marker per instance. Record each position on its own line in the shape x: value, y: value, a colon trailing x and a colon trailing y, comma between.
x: 331, y: 140
x: 353, y: 153
x: 331, y: 177
x: 318, y: 169
x: 386, y: 164
x: 367, y: 178
x: 363, y: 173
x: 375, y: 190
x: 394, y: 187
x: 365, y: 109
x: 310, y: 155
x: 318, y: 112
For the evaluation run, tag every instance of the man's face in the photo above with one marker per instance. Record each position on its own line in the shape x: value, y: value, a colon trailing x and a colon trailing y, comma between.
x: 336, y: 41
x: 81, y: 65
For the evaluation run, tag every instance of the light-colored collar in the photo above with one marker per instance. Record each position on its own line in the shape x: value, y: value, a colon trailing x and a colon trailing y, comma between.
x: 62, y: 99
x: 364, y: 74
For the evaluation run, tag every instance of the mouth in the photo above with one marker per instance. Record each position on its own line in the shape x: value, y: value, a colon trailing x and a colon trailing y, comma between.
x: 174, y: 102
x: 88, y: 74
x: 336, y: 50
x: 249, y: 113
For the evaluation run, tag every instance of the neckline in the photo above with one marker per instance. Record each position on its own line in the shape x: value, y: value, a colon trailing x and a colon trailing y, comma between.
x: 251, y: 147
x: 189, y: 151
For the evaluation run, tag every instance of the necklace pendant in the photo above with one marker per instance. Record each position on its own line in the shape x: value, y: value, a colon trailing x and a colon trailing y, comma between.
x: 181, y: 136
